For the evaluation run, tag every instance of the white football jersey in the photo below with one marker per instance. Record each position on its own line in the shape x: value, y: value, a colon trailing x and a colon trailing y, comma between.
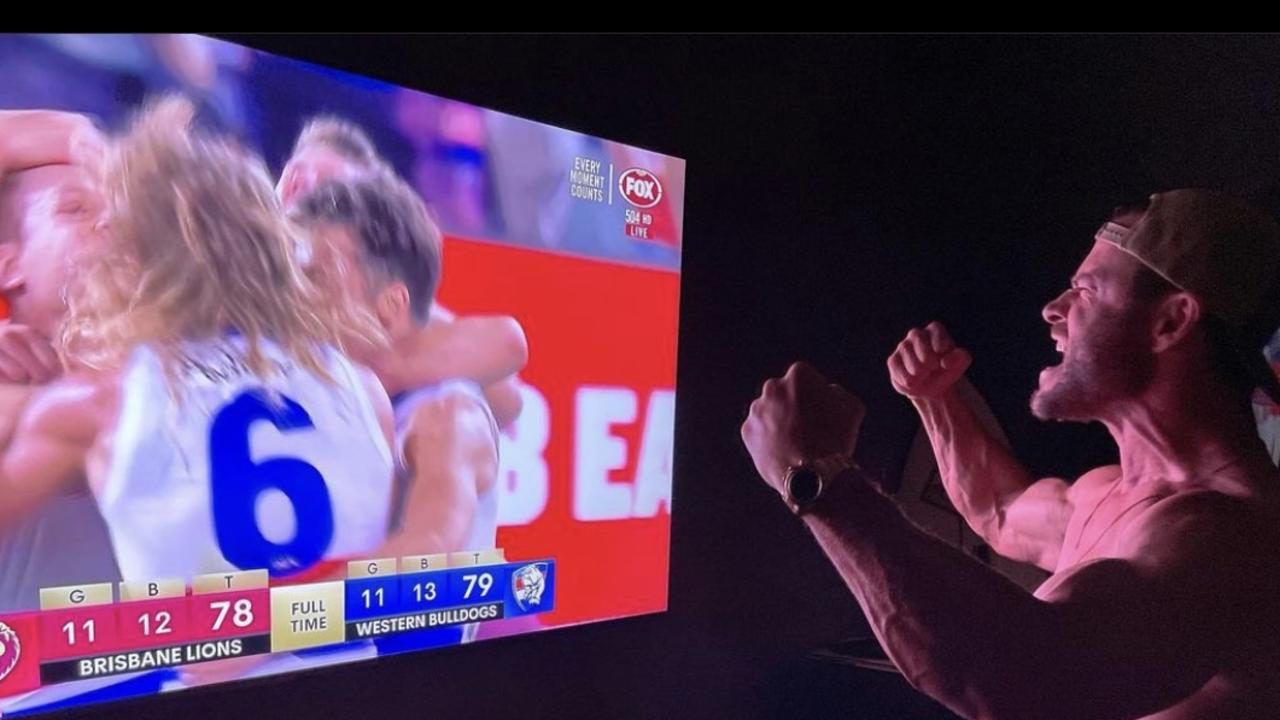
x: 227, y: 471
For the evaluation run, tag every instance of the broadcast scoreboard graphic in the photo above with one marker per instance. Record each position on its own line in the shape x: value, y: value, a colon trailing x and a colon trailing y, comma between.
x: 94, y: 631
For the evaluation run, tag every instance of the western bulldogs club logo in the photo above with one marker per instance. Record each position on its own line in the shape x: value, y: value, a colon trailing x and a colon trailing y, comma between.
x: 528, y: 583
x: 10, y: 650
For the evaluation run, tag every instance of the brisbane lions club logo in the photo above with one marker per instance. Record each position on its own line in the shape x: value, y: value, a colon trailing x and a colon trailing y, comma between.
x: 528, y: 583
x: 10, y: 650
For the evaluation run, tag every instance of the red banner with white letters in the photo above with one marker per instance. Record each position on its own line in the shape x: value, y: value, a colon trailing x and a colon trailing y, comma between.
x: 586, y: 469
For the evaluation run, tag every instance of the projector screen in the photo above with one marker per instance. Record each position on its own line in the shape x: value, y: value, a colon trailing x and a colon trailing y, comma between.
x: 339, y: 369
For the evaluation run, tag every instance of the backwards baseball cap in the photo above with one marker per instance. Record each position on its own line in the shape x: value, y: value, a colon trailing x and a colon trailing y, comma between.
x: 1226, y: 253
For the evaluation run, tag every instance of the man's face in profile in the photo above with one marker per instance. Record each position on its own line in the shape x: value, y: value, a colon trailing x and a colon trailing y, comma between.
x: 1103, y: 333
x: 47, y: 214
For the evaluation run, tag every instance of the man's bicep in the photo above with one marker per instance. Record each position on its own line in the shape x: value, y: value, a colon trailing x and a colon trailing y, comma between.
x: 1033, y: 523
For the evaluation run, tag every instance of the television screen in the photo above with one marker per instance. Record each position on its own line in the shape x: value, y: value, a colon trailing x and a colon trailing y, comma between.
x: 303, y: 368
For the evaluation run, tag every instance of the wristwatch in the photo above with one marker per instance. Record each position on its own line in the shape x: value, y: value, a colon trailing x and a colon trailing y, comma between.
x: 804, y: 484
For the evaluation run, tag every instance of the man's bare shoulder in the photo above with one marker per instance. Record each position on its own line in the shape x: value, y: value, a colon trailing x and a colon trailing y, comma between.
x: 1093, y: 483
x: 453, y: 416
x: 1205, y: 529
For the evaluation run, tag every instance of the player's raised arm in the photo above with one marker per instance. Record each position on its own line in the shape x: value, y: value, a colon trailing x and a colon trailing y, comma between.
x: 50, y: 444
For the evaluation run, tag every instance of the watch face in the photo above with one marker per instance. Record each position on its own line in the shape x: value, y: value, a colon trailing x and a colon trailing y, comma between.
x: 803, y: 486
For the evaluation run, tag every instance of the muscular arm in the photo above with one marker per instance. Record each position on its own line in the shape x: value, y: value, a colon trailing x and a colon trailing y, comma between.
x: 488, y: 348
x: 1019, y: 516
x: 450, y: 452
x: 31, y: 138
x: 1116, y: 638
x: 483, y: 348
x: 51, y: 443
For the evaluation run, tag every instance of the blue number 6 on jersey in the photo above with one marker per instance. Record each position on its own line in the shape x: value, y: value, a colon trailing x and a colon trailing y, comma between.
x: 237, y: 482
